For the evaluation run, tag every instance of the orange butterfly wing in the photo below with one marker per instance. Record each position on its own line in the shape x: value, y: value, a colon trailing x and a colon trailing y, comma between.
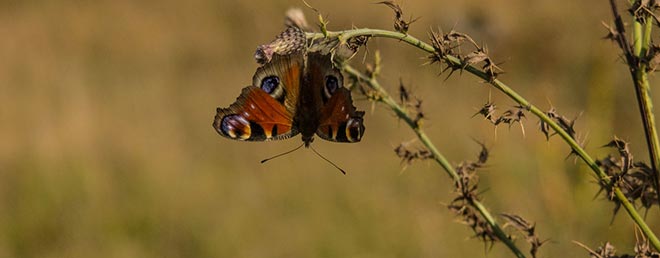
x: 340, y: 121
x: 255, y: 116
x: 264, y: 111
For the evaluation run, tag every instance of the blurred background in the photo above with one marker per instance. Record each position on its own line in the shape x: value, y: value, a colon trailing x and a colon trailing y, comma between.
x: 107, y: 147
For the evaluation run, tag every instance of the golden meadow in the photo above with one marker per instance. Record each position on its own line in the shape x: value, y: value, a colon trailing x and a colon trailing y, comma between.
x: 107, y: 147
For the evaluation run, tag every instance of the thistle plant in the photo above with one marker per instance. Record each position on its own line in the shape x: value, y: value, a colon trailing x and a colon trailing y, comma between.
x: 627, y: 184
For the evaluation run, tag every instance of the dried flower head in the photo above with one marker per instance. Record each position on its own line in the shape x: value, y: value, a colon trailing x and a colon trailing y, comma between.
x: 466, y: 190
x: 527, y: 229
x: 291, y: 40
x: 634, y: 179
x: 400, y: 25
x: 410, y: 154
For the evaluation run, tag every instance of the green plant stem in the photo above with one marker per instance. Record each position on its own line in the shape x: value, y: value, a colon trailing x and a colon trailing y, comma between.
x: 646, y: 38
x: 343, y: 36
x: 642, y: 41
x: 637, y: 34
x: 400, y: 111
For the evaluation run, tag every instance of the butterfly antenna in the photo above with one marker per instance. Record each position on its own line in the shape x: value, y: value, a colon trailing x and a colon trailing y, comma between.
x: 327, y: 160
x: 282, y: 154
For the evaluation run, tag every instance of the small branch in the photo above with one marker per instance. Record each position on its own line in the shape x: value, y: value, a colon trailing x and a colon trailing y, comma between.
x: 343, y: 36
x: 400, y: 111
x: 639, y: 75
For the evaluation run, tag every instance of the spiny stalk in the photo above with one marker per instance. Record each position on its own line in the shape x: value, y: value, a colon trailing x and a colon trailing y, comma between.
x: 385, y: 98
x: 453, y: 61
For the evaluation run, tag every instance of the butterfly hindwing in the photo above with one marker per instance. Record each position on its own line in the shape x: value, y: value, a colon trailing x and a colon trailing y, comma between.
x: 339, y: 120
x: 255, y: 116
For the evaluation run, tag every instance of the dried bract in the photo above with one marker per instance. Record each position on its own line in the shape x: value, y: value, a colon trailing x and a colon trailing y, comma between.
x: 564, y: 123
x: 527, y: 229
x: 635, y: 180
x: 510, y: 117
x: 413, y: 105
x: 408, y: 155
x: 644, y: 9
x: 400, y: 25
x: 607, y: 250
x: 612, y: 34
x: 653, y: 58
x: 466, y: 190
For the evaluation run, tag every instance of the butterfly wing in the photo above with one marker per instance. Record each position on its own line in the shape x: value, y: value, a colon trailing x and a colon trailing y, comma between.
x: 340, y: 121
x: 255, y: 116
x: 265, y: 110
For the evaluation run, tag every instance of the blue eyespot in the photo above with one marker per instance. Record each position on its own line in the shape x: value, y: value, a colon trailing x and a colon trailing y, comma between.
x: 235, y: 127
x: 331, y: 84
x: 270, y: 83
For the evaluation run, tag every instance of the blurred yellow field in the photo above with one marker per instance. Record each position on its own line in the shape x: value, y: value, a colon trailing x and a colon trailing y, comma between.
x: 107, y: 148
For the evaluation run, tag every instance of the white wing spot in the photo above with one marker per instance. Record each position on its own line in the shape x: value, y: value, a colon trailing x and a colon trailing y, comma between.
x: 252, y: 106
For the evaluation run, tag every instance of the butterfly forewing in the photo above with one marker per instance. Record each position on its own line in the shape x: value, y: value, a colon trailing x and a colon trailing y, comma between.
x: 265, y: 110
x: 287, y: 70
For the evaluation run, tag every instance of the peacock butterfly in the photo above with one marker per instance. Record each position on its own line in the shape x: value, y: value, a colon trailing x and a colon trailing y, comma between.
x: 293, y: 91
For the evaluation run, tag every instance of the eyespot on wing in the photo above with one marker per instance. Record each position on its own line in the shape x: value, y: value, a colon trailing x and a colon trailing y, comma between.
x: 235, y: 127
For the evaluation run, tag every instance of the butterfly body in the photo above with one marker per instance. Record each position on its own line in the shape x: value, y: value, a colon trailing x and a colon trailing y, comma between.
x: 295, y: 93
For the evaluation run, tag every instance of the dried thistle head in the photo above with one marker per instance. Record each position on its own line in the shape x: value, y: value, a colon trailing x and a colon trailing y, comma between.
x: 527, y: 229
x: 607, y: 250
x: 624, y: 152
x: 564, y: 123
x: 487, y: 111
x: 446, y: 44
x: 644, y: 9
x: 449, y: 45
x: 468, y: 181
x: 410, y: 154
x: 635, y: 179
x: 468, y: 216
x: 291, y: 40
x: 510, y: 117
x: 400, y: 25
x: 643, y: 248
x: 491, y: 69
x: 411, y: 104
x: 466, y: 193
x: 351, y: 47
x: 476, y: 56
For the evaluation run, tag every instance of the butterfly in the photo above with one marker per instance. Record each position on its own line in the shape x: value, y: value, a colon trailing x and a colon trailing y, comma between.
x: 295, y: 93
